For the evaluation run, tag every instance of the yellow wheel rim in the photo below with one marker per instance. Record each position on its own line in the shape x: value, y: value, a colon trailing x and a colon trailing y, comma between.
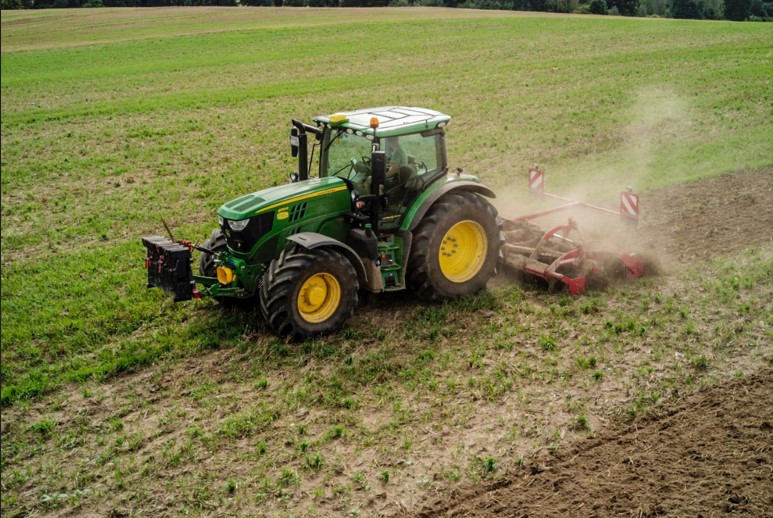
x: 319, y: 297
x: 463, y: 251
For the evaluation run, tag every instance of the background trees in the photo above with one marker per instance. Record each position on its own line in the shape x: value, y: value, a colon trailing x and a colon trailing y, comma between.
x: 737, y: 10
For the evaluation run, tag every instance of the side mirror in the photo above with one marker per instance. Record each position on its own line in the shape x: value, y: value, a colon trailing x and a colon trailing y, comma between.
x: 294, y: 142
x: 378, y: 171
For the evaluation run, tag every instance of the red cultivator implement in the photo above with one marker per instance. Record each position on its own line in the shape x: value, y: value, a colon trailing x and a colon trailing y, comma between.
x: 559, y: 256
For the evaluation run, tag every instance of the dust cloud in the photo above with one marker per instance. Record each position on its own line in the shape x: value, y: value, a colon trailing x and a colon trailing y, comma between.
x: 656, y: 115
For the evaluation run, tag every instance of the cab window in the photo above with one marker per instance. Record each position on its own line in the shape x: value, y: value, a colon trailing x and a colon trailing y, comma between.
x: 345, y: 152
x: 422, y: 152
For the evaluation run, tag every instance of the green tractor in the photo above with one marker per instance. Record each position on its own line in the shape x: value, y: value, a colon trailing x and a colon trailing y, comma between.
x: 383, y: 214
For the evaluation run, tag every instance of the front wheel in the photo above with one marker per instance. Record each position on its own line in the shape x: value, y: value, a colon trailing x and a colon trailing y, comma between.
x: 217, y: 244
x: 308, y: 292
x: 207, y: 265
x: 455, y: 248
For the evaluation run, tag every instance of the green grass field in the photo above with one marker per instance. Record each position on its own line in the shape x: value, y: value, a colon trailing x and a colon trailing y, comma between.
x: 113, y: 119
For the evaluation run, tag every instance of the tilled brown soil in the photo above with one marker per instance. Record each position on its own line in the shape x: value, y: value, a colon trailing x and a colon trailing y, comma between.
x: 711, y: 456
x: 695, y: 221
x: 682, y: 224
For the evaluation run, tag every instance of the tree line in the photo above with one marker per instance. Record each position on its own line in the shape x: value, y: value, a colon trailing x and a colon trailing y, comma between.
x: 737, y: 10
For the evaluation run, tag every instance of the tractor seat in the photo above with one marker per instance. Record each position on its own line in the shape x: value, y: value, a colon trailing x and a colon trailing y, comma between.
x: 405, y: 173
x: 396, y: 184
x: 397, y: 192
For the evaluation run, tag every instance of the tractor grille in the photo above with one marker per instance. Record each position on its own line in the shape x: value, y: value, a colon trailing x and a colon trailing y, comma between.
x: 244, y: 240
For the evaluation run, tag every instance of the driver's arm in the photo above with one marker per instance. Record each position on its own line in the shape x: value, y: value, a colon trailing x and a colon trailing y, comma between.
x: 399, y: 158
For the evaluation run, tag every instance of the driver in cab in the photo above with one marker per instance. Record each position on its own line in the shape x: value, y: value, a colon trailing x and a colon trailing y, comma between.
x: 396, y: 158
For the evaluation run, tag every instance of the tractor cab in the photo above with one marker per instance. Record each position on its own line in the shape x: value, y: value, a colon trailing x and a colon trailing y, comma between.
x: 387, y: 157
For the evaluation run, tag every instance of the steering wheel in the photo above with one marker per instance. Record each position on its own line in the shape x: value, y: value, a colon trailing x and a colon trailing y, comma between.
x: 348, y: 174
x: 361, y: 166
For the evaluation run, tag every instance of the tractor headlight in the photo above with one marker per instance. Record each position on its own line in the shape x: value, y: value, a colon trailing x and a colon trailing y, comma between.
x: 238, y: 226
x: 220, y: 220
x: 242, y: 235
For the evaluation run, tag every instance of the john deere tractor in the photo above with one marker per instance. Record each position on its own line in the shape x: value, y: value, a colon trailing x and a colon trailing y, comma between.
x: 382, y: 214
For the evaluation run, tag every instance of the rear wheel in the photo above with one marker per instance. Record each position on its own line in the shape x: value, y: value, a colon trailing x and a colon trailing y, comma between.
x: 455, y: 248
x: 308, y: 292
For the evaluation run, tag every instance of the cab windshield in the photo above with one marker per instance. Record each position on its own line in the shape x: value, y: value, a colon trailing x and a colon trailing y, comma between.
x: 345, y: 152
x: 348, y: 154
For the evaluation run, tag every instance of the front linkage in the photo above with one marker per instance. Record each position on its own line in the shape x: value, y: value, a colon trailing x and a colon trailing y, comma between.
x: 168, y: 263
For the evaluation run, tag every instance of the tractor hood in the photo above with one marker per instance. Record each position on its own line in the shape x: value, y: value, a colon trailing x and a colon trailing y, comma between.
x: 283, y: 197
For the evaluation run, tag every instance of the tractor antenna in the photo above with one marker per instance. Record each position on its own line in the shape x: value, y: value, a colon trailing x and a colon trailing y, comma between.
x: 171, y: 236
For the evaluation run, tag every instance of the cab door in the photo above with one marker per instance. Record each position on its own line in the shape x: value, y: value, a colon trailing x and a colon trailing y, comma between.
x: 419, y: 160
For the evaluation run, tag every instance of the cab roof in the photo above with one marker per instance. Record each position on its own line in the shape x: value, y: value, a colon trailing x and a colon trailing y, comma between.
x: 393, y: 121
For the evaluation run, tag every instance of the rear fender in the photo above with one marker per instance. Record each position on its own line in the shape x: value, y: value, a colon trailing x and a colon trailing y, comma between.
x: 312, y: 240
x: 419, y: 209
x: 421, y: 206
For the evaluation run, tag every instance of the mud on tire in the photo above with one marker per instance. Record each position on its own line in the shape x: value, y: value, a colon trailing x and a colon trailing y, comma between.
x: 455, y: 248
x: 308, y: 292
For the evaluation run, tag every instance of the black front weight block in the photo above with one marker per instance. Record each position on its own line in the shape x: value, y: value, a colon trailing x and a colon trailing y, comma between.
x: 169, y: 267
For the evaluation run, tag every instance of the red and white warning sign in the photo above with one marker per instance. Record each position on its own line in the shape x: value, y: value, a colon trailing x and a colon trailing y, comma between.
x: 629, y: 205
x: 536, y: 180
x: 629, y: 201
